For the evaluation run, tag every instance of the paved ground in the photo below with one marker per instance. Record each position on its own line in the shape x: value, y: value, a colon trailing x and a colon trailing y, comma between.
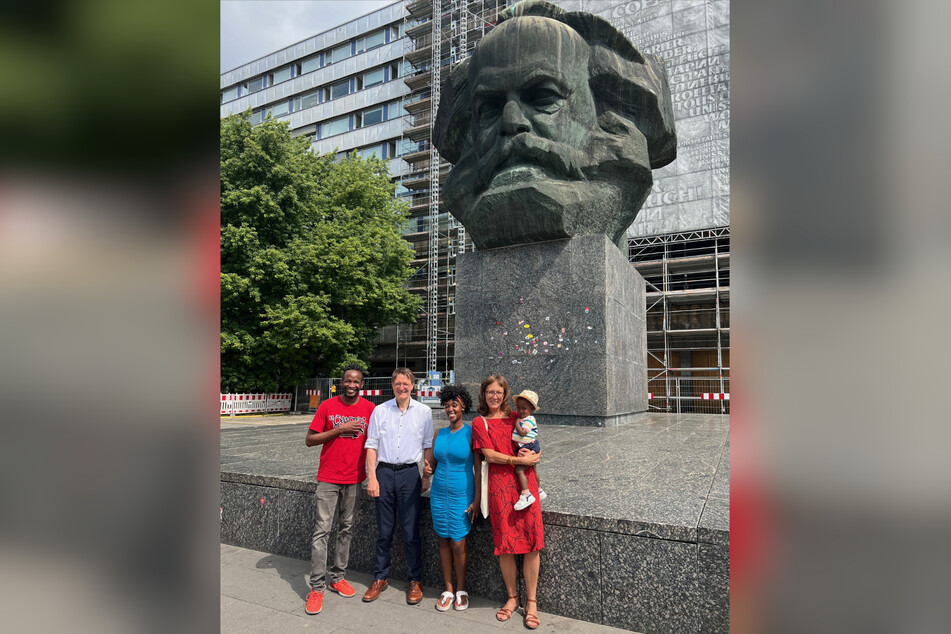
x: 238, y: 422
x: 262, y: 593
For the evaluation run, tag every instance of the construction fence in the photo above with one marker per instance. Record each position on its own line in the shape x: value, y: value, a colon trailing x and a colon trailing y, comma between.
x: 666, y: 393
x: 376, y: 389
x: 232, y: 404
x: 689, y: 394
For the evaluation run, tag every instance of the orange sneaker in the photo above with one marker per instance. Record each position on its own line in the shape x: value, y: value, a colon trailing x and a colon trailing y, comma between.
x: 315, y: 602
x: 343, y: 588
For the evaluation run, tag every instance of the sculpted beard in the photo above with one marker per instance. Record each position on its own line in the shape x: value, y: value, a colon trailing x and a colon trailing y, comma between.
x: 609, y: 150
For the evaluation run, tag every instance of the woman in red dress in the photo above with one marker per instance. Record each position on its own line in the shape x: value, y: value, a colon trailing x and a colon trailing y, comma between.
x: 514, y: 532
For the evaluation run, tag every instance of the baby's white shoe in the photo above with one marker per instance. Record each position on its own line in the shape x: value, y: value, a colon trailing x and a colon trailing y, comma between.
x: 524, y: 501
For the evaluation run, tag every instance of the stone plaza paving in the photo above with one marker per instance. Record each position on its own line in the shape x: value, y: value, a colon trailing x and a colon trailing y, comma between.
x: 636, y: 522
x: 263, y: 593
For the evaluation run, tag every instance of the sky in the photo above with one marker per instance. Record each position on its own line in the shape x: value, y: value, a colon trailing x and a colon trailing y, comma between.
x: 254, y: 28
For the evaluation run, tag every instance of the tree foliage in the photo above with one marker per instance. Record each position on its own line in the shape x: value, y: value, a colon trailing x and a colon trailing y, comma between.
x: 312, y: 261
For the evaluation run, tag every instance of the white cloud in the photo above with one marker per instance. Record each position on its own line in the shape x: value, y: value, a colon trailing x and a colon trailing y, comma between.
x: 254, y: 28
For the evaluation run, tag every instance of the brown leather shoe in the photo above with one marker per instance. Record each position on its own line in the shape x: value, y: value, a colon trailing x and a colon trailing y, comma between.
x: 415, y: 593
x: 378, y: 586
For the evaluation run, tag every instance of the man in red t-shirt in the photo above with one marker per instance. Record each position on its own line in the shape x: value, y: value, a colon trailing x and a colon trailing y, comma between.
x: 339, y: 427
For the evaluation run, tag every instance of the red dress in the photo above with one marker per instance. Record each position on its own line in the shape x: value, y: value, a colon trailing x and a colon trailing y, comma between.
x: 514, y: 532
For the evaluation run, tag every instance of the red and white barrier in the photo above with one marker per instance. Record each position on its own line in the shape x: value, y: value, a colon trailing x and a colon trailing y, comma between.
x: 312, y: 392
x: 715, y: 396
x: 650, y: 395
x: 279, y: 402
x: 231, y: 404
x: 420, y: 393
x: 371, y: 392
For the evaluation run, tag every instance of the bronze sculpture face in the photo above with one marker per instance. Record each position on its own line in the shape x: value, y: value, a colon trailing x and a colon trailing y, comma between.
x: 553, y: 125
x: 538, y: 98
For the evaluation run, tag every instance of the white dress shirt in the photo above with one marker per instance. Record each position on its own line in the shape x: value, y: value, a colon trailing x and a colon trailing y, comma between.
x: 400, y: 437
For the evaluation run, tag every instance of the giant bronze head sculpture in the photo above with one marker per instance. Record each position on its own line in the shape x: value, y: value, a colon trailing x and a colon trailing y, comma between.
x: 553, y: 125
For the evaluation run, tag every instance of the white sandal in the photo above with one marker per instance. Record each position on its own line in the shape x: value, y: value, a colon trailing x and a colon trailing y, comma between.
x: 462, y: 594
x: 443, y: 607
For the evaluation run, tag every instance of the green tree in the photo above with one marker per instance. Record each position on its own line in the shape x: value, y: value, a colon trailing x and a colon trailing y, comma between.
x: 312, y: 261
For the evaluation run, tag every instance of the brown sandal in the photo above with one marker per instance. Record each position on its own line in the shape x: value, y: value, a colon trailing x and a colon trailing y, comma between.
x: 531, y: 620
x: 504, y: 614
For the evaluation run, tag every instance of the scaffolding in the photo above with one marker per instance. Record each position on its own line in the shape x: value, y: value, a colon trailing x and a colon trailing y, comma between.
x: 687, y: 274
x: 439, y: 34
x: 688, y: 315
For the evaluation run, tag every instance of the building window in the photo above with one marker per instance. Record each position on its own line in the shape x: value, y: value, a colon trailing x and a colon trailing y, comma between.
x: 393, y: 110
x: 257, y: 117
x: 396, y: 31
x: 373, y: 78
x: 308, y: 100
x: 310, y: 64
x: 336, y: 126
x: 371, y: 41
x: 309, y: 131
x: 371, y: 117
x: 281, y: 109
x: 339, y: 90
x: 256, y: 84
x: 280, y: 76
x: 229, y: 94
x: 367, y: 152
x: 339, y: 53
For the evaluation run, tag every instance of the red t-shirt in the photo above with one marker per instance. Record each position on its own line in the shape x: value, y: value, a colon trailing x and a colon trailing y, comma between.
x: 343, y: 459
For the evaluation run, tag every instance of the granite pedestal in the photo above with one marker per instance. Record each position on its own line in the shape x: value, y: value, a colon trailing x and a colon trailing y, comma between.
x: 636, y: 523
x: 562, y: 318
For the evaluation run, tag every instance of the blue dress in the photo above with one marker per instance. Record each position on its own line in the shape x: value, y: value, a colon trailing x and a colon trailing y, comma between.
x: 453, y: 486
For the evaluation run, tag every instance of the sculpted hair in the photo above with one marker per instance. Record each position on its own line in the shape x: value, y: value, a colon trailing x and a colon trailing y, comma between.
x: 405, y: 372
x: 505, y: 409
x: 453, y: 393
x: 623, y: 80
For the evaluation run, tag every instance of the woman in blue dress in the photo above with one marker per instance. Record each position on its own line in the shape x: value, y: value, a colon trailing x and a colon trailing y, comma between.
x: 453, y: 498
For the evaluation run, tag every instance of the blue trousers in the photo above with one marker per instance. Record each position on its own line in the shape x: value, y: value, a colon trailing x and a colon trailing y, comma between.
x: 399, y: 491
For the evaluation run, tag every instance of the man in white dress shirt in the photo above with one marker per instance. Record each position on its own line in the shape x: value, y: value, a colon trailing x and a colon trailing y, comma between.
x: 399, y: 435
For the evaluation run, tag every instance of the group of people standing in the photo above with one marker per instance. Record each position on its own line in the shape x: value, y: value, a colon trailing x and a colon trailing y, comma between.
x: 387, y: 443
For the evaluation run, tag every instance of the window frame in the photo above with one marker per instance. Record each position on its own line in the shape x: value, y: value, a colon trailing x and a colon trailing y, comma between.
x: 313, y: 58
x: 363, y: 115
x: 250, y: 82
x: 344, y: 119
x: 382, y: 73
x: 272, y: 76
x: 300, y: 100
x: 237, y: 93
x: 330, y: 89
x: 333, y: 53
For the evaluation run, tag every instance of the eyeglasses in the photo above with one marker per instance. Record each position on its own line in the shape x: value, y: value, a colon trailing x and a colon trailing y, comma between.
x: 494, y: 393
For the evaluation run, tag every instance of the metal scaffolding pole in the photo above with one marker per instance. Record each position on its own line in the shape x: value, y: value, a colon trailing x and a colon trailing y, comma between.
x: 716, y: 274
x: 666, y: 326
x: 432, y: 325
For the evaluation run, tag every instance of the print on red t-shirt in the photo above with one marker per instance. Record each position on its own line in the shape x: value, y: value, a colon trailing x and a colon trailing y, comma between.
x: 343, y: 459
